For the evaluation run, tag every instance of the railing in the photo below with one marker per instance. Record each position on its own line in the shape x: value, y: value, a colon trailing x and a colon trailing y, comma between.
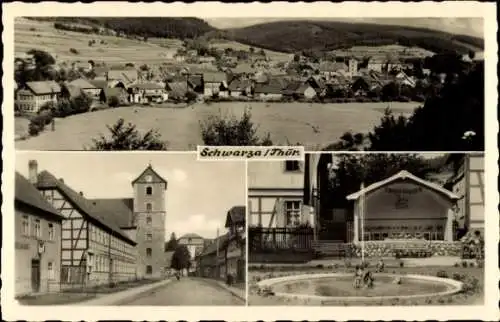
x: 283, y: 238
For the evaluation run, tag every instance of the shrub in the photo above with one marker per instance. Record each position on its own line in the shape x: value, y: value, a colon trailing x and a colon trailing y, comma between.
x: 34, y: 129
x: 319, y: 266
x: 442, y: 274
x: 464, y: 264
x: 126, y: 137
x: 74, y: 51
x: 401, y: 264
x: 219, y: 131
x: 456, y: 265
x: 113, y: 101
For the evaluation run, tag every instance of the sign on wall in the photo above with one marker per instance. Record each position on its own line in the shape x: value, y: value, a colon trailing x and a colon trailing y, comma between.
x: 402, y: 195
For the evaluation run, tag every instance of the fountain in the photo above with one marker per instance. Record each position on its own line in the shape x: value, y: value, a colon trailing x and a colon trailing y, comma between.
x: 368, y: 286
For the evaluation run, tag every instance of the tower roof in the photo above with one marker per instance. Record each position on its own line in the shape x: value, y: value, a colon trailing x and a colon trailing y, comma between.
x: 150, y: 171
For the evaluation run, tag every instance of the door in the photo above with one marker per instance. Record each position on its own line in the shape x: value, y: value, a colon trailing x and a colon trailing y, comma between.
x: 35, y: 275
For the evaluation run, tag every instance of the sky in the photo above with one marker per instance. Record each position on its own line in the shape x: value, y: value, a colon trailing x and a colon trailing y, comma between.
x: 465, y: 26
x: 198, y: 195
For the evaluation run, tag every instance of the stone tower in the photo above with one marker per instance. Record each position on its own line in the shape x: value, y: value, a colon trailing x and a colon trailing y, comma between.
x: 149, y: 219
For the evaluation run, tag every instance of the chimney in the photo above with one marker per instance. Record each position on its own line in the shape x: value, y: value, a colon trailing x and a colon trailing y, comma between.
x: 61, y: 179
x: 81, y: 193
x: 33, y: 171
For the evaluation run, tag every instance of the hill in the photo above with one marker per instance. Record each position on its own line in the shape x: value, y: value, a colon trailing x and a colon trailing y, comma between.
x: 30, y: 34
x: 293, y: 36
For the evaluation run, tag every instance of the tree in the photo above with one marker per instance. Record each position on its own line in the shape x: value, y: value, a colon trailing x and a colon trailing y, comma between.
x: 181, y: 259
x: 353, y: 169
x: 171, y: 245
x: 218, y: 131
x: 126, y: 137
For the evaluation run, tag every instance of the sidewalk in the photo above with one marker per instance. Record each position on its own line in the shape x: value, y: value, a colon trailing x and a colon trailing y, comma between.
x: 239, y: 293
x: 130, y: 294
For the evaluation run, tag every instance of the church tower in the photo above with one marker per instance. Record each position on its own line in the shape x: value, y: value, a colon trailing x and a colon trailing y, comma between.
x: 149, y: 219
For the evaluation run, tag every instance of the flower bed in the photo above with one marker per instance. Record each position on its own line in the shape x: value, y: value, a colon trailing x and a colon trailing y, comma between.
x: 413, y: 248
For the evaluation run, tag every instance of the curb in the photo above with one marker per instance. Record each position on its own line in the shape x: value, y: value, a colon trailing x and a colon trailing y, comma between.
x: 126, y: 298
x: 219, y: 284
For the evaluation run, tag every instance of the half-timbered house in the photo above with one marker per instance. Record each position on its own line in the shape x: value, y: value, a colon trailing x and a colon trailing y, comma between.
x: 94, y: 250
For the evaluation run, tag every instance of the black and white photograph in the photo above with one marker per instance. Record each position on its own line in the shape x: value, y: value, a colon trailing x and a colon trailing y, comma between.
x: 132, y: 230
x: 367, y: 229
x: 173, y: 83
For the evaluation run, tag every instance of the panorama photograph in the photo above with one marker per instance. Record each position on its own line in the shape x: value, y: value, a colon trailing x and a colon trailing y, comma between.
x: 367, y: 230
x: 165, y: 83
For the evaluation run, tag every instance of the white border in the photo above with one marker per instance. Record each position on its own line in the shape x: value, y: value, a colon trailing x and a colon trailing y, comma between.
x: 452, y: 9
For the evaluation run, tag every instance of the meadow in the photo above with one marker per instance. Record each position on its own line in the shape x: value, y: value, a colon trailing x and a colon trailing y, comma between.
x: 41, y: 35
x: 313, y: 125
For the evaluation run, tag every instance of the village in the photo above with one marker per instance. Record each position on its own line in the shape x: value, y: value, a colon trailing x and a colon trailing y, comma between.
x: 74, y: 249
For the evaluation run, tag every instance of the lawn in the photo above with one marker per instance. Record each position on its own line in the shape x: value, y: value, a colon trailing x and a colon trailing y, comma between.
x: 313, y: 125
x: 29, y: 34
x: 474, y: 298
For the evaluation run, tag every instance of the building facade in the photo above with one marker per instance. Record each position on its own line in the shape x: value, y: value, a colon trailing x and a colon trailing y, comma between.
x: 275, y: 193
x: 194, y: 244
x: 235, y: 247
x: 468, y: 183
x: 34, y: 95
x: 37, y: 241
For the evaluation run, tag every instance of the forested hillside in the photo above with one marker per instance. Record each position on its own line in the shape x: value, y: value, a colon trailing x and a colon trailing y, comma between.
x: 292, y: 36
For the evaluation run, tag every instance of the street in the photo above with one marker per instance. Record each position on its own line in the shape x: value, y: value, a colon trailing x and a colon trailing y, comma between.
x: 187, y: 291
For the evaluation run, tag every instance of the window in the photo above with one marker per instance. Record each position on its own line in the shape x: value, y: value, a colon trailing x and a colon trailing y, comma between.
x: 149, y: 191
x: 51, y: 232
x: 292, y: 210
x: 149, y: 220
x: 38, y: 231
x: 148, y: 252
x: 149, y: 269
x: 149, y: 237
x: 292, y: 166
x: 26, y: 225
x: 149, y: 207
x: 50, y: 268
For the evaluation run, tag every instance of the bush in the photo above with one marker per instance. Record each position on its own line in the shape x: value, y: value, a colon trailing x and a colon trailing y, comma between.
x: 126, y: 137
x: 319, y: 266
x: 401, y: 264
x: 442, y: 274
x: 464, y: 264
x: 34, y: 129
x: 74, y: 51
x: 113, y: 101
x: 220, y: 131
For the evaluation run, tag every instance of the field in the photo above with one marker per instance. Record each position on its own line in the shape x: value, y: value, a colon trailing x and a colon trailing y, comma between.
x: 30, y: 34
x: 313, y: 125
x: 273, y: 55
x: 475, y: 298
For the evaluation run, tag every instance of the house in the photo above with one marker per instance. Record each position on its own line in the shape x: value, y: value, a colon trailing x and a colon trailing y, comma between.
x: 37, y: 239
x: 468, y: 183
x: 363, y: 85
x: 195, y: 83
x: 107, y: 94
x: 405, y: 79
x: 329, y: 69
x: 125, y: 76
x: 270, y: 90
x: 194, y: 244
x: 239, y: 88
x: 234, y: 247
x: 243, y: 69
x: 215, y: 84
x: 376, y: 64
x: 318, y: 84
x: 210, y: 262
x: 94, y: 250
x: 87, y: 87
x: 148, y: 92
x: 275, y: 193
x: 298, y: 89
x: 33, y: 95
x: 207, y: 59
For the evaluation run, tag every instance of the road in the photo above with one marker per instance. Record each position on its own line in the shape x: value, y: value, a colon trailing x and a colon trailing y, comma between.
x: 187, y: 291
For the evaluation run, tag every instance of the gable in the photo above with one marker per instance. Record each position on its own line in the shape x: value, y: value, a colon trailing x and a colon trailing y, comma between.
x: 149, y: 172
